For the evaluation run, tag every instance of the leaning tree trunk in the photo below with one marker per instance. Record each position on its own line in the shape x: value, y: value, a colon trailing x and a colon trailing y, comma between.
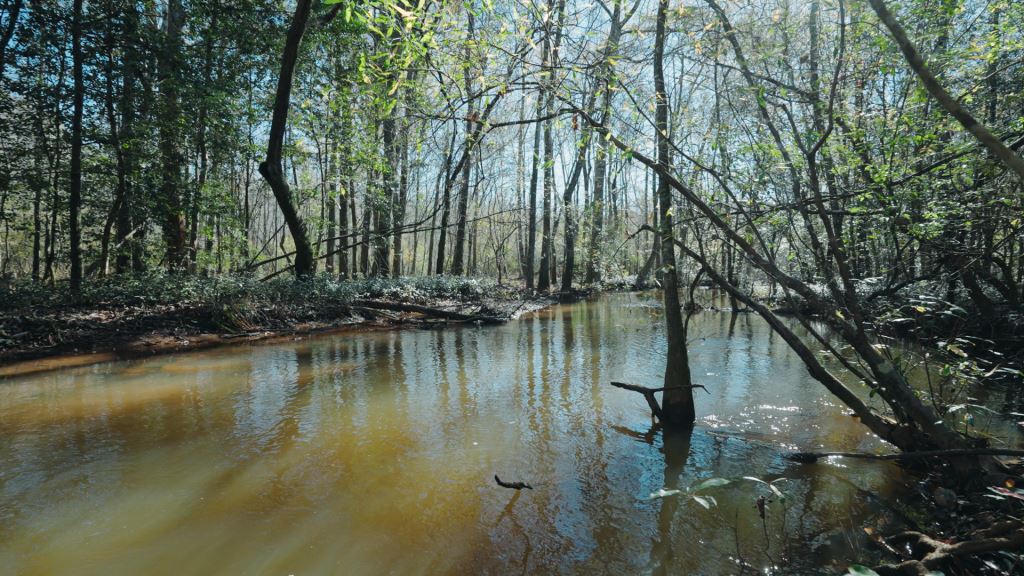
x: 272, y: 168
x: 952, y: 106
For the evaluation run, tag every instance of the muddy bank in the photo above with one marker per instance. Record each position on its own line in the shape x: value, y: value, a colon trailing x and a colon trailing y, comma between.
x: 49, y: 335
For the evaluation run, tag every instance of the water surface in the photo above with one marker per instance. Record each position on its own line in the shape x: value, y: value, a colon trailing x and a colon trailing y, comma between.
x: 374, y: 453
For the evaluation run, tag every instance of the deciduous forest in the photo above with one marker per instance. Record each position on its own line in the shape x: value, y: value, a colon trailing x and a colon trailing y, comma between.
x: 844, y: 177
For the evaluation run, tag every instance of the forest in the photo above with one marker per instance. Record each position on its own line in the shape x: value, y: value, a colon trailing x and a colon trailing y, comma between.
x: 846, y: 174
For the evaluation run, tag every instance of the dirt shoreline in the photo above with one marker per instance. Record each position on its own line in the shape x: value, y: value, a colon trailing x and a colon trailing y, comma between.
x: 92, y: 336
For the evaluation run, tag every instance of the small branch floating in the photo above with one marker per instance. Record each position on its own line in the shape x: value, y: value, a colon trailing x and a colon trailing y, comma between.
x: 512, y: 485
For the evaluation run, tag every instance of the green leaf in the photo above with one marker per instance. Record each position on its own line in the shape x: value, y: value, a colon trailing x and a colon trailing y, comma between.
x: 709, y: 483
x: 956, y: 350
x: 705, y: 502
x: 662, y: 493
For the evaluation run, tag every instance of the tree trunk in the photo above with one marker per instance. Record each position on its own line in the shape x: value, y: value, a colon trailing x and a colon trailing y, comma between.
x: 446, y: 199
x: 569, y: 207
x: 332, y: 174
x: 201, y: 174
x: 272, y: 169
x: 458, y: 256
x: 677, y: 403
x: 75, y: 201
x: 170, y: 145
x: 531, y: 218
x: 403, y: 187
x: 384, y: 211
x: 952, y: 106
x: 8, y: 32
x: 601, y: 156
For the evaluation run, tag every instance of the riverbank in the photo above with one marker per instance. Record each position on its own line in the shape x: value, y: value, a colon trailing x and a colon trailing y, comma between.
x: 162, y: 314
x: 42, y: 329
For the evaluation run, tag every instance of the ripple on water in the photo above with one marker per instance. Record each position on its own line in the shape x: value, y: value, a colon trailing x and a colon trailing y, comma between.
x: 375, y: 453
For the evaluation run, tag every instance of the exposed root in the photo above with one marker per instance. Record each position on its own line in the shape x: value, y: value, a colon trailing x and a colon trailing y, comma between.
x: 930, y: 554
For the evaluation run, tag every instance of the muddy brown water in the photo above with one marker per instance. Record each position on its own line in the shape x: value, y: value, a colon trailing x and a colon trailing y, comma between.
x: 374, y: 453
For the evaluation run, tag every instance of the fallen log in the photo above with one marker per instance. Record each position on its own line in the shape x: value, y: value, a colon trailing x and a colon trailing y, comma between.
x: 812, y: 457
x: 512, y: 485
x: 648, y: 393
x: 426, y: 310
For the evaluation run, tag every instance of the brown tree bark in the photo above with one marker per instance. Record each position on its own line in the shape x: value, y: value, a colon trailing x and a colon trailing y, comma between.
x: 171, y: 159
x: 677, y: 403
x: 531, y: 216
x: 75, y: 201
x: 272, y: 168
x: 458, y: 255
x: 607, y: 72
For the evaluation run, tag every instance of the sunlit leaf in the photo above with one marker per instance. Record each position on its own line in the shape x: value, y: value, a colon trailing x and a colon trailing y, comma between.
x: 709, y: 483
x: 703, y: 501
x: 662, y: 493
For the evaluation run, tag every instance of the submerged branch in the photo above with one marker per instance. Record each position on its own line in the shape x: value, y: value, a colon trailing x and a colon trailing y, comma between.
x: 649, y: 393
x: 512, y: 485
x: 811, y: 457
x: 1002, y: 536
x: 436, y: 312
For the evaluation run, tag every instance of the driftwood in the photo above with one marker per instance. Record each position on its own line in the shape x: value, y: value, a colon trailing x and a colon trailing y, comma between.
x: 811, y: 457
x: 649, y: 394
x: 512, y: 485
x: 1007, y: 535
x: 425, y: 310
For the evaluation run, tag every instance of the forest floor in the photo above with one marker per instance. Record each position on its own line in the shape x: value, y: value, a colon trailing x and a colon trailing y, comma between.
x: 42, y: 329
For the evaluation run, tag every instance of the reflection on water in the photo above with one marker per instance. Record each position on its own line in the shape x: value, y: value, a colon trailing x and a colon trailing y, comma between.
x: 375, y: 453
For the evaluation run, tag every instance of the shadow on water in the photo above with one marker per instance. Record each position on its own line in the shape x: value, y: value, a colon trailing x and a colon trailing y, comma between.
x: 676, y: 449
x: 375, y: 453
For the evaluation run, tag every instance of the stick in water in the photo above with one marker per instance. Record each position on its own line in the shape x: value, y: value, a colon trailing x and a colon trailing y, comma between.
x: 513, y: 485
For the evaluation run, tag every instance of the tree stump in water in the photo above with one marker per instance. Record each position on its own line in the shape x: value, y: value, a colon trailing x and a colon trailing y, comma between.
x: 650, y: 392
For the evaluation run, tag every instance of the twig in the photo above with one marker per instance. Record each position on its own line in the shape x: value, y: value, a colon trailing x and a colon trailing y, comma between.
x: 512, y: 485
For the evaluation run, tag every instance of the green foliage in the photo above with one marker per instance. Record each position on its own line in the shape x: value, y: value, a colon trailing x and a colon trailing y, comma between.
x: 237, y: 292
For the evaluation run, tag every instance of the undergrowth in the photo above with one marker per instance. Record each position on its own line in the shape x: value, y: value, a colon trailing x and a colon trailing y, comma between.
x: 164, y: 289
